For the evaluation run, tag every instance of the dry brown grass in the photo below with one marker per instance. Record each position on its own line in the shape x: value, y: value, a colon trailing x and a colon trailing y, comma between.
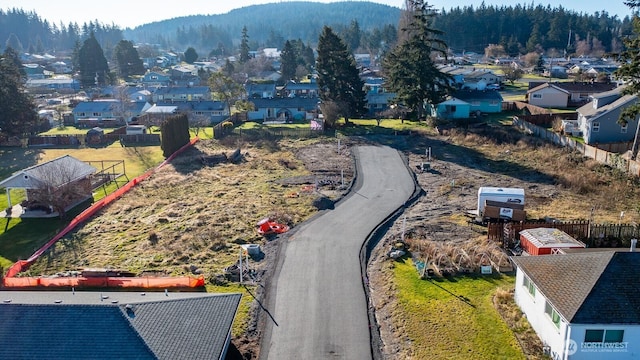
x: 583, y: 184
x: 189, y: 215
x: 517, y: 322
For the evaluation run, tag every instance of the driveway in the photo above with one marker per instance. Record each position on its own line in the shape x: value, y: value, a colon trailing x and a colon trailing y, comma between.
x: 316, y: 297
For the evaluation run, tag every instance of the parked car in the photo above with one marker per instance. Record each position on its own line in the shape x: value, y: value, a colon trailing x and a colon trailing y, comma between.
x: 494, y: 87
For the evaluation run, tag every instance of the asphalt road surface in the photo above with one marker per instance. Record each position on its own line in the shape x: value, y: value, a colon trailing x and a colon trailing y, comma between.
x: 316, y: 299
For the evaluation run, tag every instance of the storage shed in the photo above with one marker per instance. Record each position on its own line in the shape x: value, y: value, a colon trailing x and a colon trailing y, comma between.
x: 545, y: 241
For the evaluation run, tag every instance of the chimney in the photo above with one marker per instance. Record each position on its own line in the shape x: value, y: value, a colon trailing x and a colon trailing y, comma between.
x: 633, y: 245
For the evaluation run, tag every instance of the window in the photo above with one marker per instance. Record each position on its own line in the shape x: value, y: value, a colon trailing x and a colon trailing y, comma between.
x: 536, y: 96
x: 552, y: 313
x: 595, y: 126
x: 607, y: 336
x: 529, y: 285
x: 623, y: 128
x: 613, y: 336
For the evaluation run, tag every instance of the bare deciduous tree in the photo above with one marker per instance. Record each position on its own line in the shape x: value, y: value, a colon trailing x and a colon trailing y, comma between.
x: 59, y: 186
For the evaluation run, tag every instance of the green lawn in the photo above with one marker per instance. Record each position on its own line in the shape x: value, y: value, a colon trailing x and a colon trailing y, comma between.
x: 19, y: 238
x: 455, y: 318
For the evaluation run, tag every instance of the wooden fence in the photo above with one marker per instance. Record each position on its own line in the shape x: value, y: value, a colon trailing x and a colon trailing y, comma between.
x: 611, y: 155
x: 594, y: 235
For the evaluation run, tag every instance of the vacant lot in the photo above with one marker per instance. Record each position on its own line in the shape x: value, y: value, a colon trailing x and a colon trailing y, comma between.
x: 191, y: 218
x: 415, y: 314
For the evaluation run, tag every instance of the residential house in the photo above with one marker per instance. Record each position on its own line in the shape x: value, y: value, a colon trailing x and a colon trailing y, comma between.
x: 211, y: 111
x: 33, y: 71
x: 485, y: 101
x: 478, y: 79
x: 260, y: 90
x: 97, y: 113
x: 378, y: 99
x: 108, y: 113
x: 182, y: 93
x: 116, y: 325
x: 60, y: 67
x: 582, y: 305
x: 452, y: 108
x: 283, y: 109
x: 564, y: 94
x: 185, y: 75
x: 60, y: 84
x: 598, y: 120
x: 39, y: 180
x: 266, y: 76
x: 153, y: 78
x: 156, y: 114
x: 304, y: 89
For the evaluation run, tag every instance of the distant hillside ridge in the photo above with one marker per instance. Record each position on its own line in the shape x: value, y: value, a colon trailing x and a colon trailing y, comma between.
x: 266, y: 24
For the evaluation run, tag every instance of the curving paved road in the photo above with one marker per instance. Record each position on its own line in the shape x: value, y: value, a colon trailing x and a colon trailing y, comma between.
x: 316, y: 298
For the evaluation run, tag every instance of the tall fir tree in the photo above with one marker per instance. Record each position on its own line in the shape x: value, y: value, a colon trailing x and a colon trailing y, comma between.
x: 630, y: 73
x: 94, y: 68
x: 288, y: 61
x: 244, y: 46
x: 338, y: 77
x: 410, y: 70
x: 17, y: 111
x: 127, y: 59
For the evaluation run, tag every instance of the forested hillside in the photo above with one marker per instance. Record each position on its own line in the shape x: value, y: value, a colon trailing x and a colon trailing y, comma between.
x: 364, y: 25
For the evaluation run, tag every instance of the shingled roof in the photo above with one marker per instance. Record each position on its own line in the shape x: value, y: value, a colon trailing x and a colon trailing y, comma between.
x: 56, y: 172
x: 110, y: 325
x: 588, y: 288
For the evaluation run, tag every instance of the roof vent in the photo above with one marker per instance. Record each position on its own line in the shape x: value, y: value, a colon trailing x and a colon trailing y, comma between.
x: 57, y: 301
x: 6, y: 301
x: 114, y: 301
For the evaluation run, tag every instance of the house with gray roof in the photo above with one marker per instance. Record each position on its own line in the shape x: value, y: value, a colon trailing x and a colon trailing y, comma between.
x: 283, y: 109
x: 582, y: 305
x: 598, y: 120
x: 42, y: 180
x: 564, y: 94
x: 115, y: 325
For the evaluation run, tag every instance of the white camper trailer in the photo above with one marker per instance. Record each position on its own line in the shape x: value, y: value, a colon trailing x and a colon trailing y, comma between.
x: 505, y: 195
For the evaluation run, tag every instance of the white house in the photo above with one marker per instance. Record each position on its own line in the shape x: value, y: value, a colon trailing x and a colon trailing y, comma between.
x: 583, y: 305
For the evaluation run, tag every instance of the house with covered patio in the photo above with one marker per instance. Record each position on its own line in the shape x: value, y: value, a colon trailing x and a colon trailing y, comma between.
x: 49, y: 188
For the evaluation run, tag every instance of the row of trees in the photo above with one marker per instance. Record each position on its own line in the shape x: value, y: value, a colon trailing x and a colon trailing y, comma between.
x: 409, y: 68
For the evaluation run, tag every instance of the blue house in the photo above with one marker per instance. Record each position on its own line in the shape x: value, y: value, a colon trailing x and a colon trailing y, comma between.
x: 153, y: 78
x: 452, y: 108
x: 598, y: 120
x: 481, y: 101
x: 107, y: 113
x: 294, y: 89
x: 96, y: 113
x: 283, y: 109
x: 260, y: 90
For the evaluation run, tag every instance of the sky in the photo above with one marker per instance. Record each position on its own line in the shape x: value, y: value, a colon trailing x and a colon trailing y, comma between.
x: 131, y: 13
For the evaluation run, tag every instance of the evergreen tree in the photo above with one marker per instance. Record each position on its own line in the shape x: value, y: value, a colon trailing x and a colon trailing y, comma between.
x: 411, y: 72
x: 127, y: 59
x: 14, y: 43
x: 244, y: 46
x: 338, y: 77
x: 190, y: 56
x: 174, y: 133
x: 630, y: 73
x: 17, y: 111
x: 93, y: 65
x: 288, y: 62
